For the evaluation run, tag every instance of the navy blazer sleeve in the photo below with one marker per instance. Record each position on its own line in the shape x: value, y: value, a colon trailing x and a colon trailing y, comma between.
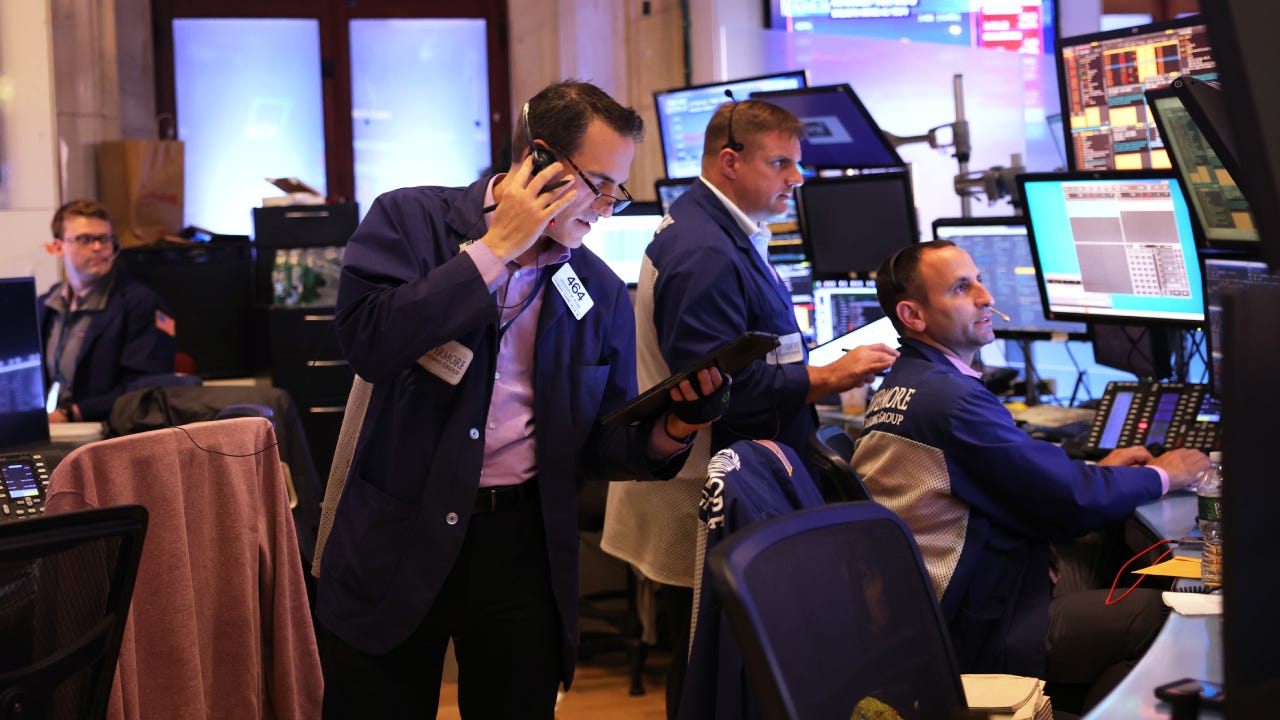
x: 397, y: 299
x: 1039, y: 491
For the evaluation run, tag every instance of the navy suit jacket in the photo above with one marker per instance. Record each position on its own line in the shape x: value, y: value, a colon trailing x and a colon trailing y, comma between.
x: 124, y: 342
x: 406, y: 287
x: 711, y: 286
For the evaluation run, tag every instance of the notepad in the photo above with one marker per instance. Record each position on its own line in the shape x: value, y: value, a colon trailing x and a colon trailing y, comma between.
x: 1179, y: 567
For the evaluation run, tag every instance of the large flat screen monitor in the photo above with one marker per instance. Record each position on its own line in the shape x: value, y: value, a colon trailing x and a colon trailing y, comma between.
x: 1102, y: 78
x: 1221, y: 274
x: 839, y: 131
x: 1113, y: 247
x: 1222, y: 213
x: 1000, y: 249
x: 852, y: 223
x: 842, y: 306
x: 620, y: 240
x: 683, y: 114
x: 1026, y: 26
x: 24, y: 421
x: 1250, y: 56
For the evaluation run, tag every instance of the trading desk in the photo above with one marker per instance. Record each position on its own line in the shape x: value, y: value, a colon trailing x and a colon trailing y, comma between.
x: 1187, y: 647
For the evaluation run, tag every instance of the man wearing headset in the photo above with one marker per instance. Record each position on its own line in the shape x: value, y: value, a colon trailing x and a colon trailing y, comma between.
x: 706, y: 279
x: 985, y: 500
x: 495, y: 342
x: 100, y: 327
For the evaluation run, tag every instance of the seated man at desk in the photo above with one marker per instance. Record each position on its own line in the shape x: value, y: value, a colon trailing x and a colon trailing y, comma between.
x: 100, y: 328
x: 985, y: 500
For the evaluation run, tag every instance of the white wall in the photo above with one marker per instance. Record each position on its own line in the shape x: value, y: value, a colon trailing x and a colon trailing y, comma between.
x: 28, y: 157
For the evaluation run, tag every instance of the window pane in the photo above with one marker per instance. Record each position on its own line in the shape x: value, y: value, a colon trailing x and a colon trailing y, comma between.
x: 419, y: 103
x: 249, y: 107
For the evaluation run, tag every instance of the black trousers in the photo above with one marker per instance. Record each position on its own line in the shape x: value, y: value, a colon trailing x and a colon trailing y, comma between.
x: 1092, y: 646
x: 498, y: 607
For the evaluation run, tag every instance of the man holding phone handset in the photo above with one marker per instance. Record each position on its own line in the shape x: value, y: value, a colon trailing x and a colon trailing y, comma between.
x: 494, y: 343
x: 706, y: 279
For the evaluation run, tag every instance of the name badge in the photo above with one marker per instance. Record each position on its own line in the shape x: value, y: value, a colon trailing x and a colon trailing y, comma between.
x: 790, y: 350
x: 449, y: 362
x: 571, y: 289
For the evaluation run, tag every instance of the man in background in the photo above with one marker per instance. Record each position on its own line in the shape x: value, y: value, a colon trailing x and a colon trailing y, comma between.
x: 101, y: 328
x: 705, y: 280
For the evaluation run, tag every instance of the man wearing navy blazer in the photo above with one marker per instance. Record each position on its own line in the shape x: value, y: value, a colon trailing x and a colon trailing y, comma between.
x: 495, y: 342
x: 101, y: 328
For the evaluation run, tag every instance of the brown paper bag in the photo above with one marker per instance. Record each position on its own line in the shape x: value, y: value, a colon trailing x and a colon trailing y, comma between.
x: 141, y: 183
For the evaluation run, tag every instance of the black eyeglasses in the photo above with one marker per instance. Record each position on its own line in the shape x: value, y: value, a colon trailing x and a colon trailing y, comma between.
x: 603, y: 201
x: 89, y: 240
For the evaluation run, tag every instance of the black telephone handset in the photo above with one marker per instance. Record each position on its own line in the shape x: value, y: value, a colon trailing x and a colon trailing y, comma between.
x: 1163, y: 415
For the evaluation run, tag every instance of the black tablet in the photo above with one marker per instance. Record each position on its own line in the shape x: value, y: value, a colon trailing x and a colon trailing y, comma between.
x: 730, y: 358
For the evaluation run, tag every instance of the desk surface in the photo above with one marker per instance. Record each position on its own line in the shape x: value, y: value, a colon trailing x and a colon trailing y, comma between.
x: 1187, y: 647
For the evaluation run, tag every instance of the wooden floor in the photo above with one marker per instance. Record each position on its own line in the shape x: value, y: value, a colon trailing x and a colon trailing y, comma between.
x: 599, y: 692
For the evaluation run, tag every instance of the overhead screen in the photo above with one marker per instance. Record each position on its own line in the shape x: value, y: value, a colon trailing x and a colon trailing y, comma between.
x: 683, y: 114
x: 1223, y: 216
x: 1026, y: 26
x: 1113, y: 247
x: 1103, y: 77
x: 839, y: 131
x: 1002, y: 253
x: 852, y: 223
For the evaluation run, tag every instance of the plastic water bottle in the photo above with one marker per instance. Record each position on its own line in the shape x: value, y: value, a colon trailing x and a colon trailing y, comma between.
x: 1209, y: 497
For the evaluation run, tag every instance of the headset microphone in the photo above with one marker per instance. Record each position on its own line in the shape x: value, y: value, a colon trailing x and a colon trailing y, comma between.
x: 731, y: 143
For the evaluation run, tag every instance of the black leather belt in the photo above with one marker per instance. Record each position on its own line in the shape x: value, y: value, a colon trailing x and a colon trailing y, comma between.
x: 503, y: 497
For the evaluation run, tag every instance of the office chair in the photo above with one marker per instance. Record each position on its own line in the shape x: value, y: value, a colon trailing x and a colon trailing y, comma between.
x: 831, y: 450
x: 66, y: 582
x: 836, y: 616
x: 608, y: 613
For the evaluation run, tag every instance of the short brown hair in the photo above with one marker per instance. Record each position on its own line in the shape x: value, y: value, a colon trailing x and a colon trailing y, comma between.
x: 78, y: 208
x: 559, y: 115
x: 898, y: 278
x: 751, y: 118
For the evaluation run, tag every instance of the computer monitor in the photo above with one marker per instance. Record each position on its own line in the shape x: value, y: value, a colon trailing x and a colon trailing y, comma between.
x: 620, y: 240
x: 1000, y: 249
x: 1221, y: 274
x: 839, y: 131
x: 683, y: 114
x: 853, y: 222
x: 1113, y: 247
x: 786, y: 256
x: 1250, y: 54
x: 1102, y: 77
x: 1222, y: 213
x: 24, y: 420
x: 669, y: 189
x: 842, y: 306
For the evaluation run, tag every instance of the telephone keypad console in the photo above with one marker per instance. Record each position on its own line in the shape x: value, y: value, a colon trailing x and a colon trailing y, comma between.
x: 1173, y: 415
x: 24, y: 481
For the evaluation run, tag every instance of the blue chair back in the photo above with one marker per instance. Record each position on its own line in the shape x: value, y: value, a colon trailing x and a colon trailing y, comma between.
x: 836, y: 617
